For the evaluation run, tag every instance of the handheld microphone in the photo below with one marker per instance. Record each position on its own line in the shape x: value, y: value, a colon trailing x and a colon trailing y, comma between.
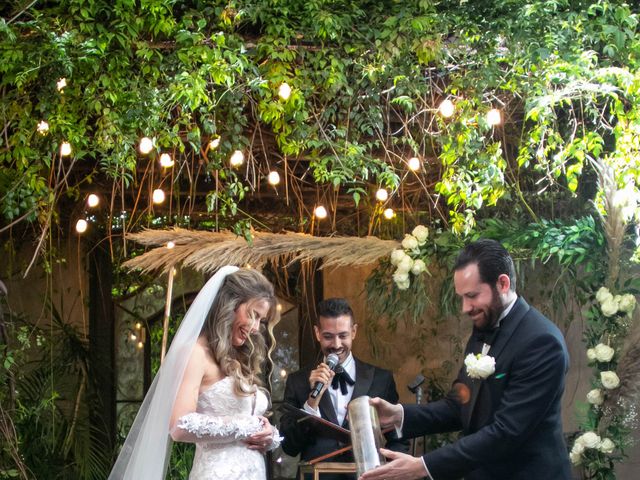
x: 332, y: 363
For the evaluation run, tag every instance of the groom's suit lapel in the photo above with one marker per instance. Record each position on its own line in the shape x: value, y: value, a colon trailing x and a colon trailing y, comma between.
x: 508, y: 326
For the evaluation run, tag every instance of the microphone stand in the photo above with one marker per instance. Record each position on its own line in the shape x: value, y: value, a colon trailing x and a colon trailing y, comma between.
x: 415, y: 387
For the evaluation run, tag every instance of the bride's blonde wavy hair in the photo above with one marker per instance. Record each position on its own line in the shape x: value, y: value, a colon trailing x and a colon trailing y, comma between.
x: 243, y: 364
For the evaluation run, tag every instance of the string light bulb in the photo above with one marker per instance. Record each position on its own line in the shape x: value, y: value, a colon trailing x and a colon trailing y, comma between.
x: 237, y: 158
x: 43, y: 127
x: 388, y: 213
x: 146, y: 145
x: 494, y: 117
x: 93, y: 200
x: 446, y: 108
x: 65, y: 149
x: 140, y: 345
x: 138, y: 325
x: 170, y: 245
x: 284, y: 91
x: 382, y: 195
x: 133, y: 337
x: 166, y: 161
x: 320, y: 212
x: 81, y: 225
x: 61, y: 83
x: 273, y: 178
x: 158, y: 195
x: 414, y: 164
x: 215, y: 143
x: 283, y: 373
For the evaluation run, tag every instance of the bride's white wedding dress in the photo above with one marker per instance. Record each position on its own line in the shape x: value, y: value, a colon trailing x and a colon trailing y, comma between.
x: 220, y: 424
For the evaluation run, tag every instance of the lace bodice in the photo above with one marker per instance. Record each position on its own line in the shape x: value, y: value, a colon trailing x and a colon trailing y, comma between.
x: 221, y: 423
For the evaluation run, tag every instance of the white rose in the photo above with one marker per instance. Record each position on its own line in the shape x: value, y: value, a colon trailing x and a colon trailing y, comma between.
x: 480, y: 366
x: 591, y: 354
x: 607, y: 446
x: 627, y: 303
x: 421, y: 233
x: 609, y: 307
x: 410, y: 242
x: 604, y: 353
x: 400, y: 277
x: 397, y: 255
x: 595, y: 397
x: 609, y: 380
x: 590, y: 440
x: 405, y: 265
x: 575, y: 458
x: 603, y: 294
x: 418, y: 267
x: 403, y: 285
x: 578, y: 446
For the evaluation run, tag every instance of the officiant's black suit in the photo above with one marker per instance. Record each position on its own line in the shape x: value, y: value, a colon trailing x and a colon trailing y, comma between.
x: 510, y: 421
x: 299, y: 439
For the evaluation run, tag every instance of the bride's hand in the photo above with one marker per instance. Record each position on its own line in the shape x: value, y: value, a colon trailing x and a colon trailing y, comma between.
x: 261, y: 440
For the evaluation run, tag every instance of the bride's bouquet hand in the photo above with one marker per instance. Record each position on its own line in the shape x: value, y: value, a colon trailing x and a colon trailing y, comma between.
x: 261, y: 440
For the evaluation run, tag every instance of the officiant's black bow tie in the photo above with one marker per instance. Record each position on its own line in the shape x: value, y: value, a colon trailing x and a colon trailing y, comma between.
x: 341, y: 377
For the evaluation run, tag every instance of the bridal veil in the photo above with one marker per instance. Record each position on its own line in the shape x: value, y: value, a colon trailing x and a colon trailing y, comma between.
x: 146, y: 451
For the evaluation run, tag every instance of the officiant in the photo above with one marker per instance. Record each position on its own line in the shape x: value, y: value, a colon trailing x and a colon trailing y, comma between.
x: 335, y: 330
x: 506, y: 398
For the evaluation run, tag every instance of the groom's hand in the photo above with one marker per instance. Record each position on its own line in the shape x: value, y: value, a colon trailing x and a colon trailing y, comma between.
x: 401, y: 467
x: 321, y: 374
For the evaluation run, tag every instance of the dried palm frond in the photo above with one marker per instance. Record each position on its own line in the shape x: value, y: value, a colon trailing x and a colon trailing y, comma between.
x: 207, y: 251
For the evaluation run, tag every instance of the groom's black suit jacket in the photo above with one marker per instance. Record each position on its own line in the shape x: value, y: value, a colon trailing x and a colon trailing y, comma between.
x: 510, y: 421
x: 298, y: 439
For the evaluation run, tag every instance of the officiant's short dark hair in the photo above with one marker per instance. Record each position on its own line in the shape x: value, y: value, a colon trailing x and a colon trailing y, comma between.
x: 333, y: 308
x: 492, y: 259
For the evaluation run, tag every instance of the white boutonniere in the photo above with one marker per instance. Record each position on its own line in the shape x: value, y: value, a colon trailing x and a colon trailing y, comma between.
x: 479, y: 365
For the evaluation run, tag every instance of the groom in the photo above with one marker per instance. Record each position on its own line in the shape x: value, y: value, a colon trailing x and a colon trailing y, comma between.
x: 335, y: 331
x: 510, y: 417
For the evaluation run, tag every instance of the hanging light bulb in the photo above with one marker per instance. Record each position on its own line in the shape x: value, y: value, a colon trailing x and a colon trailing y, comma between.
x: 414, y: 164
x: 215, y: 143
x: 133, y: 337
x: 166, y: 161
x: 320, y: 212
x: 43, y: 127
x: 237, y: 158
x: 446, y: 108
x: 158, y: 195
x: 140, y: 345
x: 388, y: 213
x: 65, y: 149
x: 283, y: 373
x: 382, y: 195
x: 93, y: 200
x: 61, y: 83
x: 279, y: 307
x: 284, y: 92
x: 170, y: 245
x: 138, y: 325
x: 81, y: 225
x: 146, y: 145
x: 494, y: 117
x: 273, y: 178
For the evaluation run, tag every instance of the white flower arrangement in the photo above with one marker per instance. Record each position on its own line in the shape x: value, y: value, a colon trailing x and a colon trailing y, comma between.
x: 611, y: 304
x: 406, y: 259
x: 590, y: 440
x: 480, y: 366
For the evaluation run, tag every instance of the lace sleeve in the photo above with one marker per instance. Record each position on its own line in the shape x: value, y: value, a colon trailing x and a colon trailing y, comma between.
x: 198, y: 427
x: 275, y: 440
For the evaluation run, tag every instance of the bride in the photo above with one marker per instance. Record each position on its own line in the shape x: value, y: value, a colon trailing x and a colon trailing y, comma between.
x: 207, y: 389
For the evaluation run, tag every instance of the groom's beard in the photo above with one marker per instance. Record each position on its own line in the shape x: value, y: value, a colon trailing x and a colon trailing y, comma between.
x: 492, y: 312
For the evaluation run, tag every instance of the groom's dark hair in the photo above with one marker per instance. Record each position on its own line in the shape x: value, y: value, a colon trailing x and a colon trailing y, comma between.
x: 492, y: 259
x: 333, y: 308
